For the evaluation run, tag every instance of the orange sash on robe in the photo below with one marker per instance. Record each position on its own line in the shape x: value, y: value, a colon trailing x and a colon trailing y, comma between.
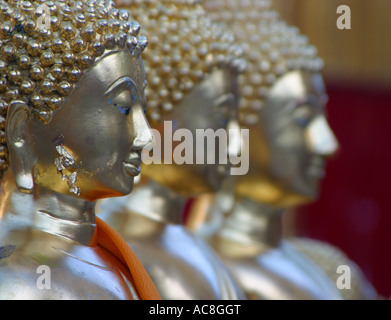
x: 111, y: 241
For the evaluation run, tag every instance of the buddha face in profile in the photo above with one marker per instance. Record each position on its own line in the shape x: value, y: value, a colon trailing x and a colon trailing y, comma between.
x: 75, y: 122
x: 192, y: 86
x: 294, y: 137
x: 208, y: 109
x: 283, y: 104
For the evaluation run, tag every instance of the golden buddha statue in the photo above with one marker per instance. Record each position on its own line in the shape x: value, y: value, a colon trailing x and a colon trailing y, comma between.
x: 283, y: 106
x: 64, y: 83
x: 192, y: 70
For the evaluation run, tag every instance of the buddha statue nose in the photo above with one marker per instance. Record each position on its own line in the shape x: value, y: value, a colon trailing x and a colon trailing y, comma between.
x: 142, y: 130
x: 320, y: 138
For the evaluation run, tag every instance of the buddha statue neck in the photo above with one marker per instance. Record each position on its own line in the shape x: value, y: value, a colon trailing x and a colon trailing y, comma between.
x: 157, y: 202
x: 51, y: 212
x: 253, y: 225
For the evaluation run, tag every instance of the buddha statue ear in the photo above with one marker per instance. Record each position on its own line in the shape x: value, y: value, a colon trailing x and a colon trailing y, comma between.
x: 19, y: 144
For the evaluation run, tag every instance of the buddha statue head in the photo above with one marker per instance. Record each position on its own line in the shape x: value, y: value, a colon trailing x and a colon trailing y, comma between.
x: 192, y: 70
x: 71, y: 97
x: 283, y: 104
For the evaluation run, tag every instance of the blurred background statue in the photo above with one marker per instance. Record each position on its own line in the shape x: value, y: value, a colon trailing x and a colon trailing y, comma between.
x: 283, y: 105
x: 64, y: 82
x: 192, y: 69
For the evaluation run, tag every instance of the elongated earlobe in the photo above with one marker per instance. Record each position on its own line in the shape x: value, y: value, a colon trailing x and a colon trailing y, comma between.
x: 21, y: 157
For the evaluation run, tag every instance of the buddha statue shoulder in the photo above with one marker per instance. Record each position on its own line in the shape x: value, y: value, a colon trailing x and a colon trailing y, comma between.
x: 251, y: 243
x: 283, y: 106
x: 192, y: 70
x: 331, y: 259
x: 182, y: 265
x: 69, y: 70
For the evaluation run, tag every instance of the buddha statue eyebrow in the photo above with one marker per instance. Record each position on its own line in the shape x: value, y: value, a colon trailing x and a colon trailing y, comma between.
x: 124, y: 83
x: 294, y: 104
x: 227, y: 97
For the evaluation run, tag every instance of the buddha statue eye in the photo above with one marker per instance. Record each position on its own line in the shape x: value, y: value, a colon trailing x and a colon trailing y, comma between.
x: 305, y: 110
x: 134, y: 97
x: 123, y: 109
x: 224, y: 105
x: 302, y: 115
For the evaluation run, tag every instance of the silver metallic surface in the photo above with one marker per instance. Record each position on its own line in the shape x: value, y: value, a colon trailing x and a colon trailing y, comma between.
x: 181, y: 264
x: 266, y: 266
x: 329, y: 259
x: 283, y: 105
x: 42, y: 222
x: 287, y: 160
x: 210, y: 105
x: 286, y: 165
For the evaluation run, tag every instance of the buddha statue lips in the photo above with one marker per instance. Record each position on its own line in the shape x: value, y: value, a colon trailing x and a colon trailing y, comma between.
x: 64, y: 142
x: 132, y: 164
